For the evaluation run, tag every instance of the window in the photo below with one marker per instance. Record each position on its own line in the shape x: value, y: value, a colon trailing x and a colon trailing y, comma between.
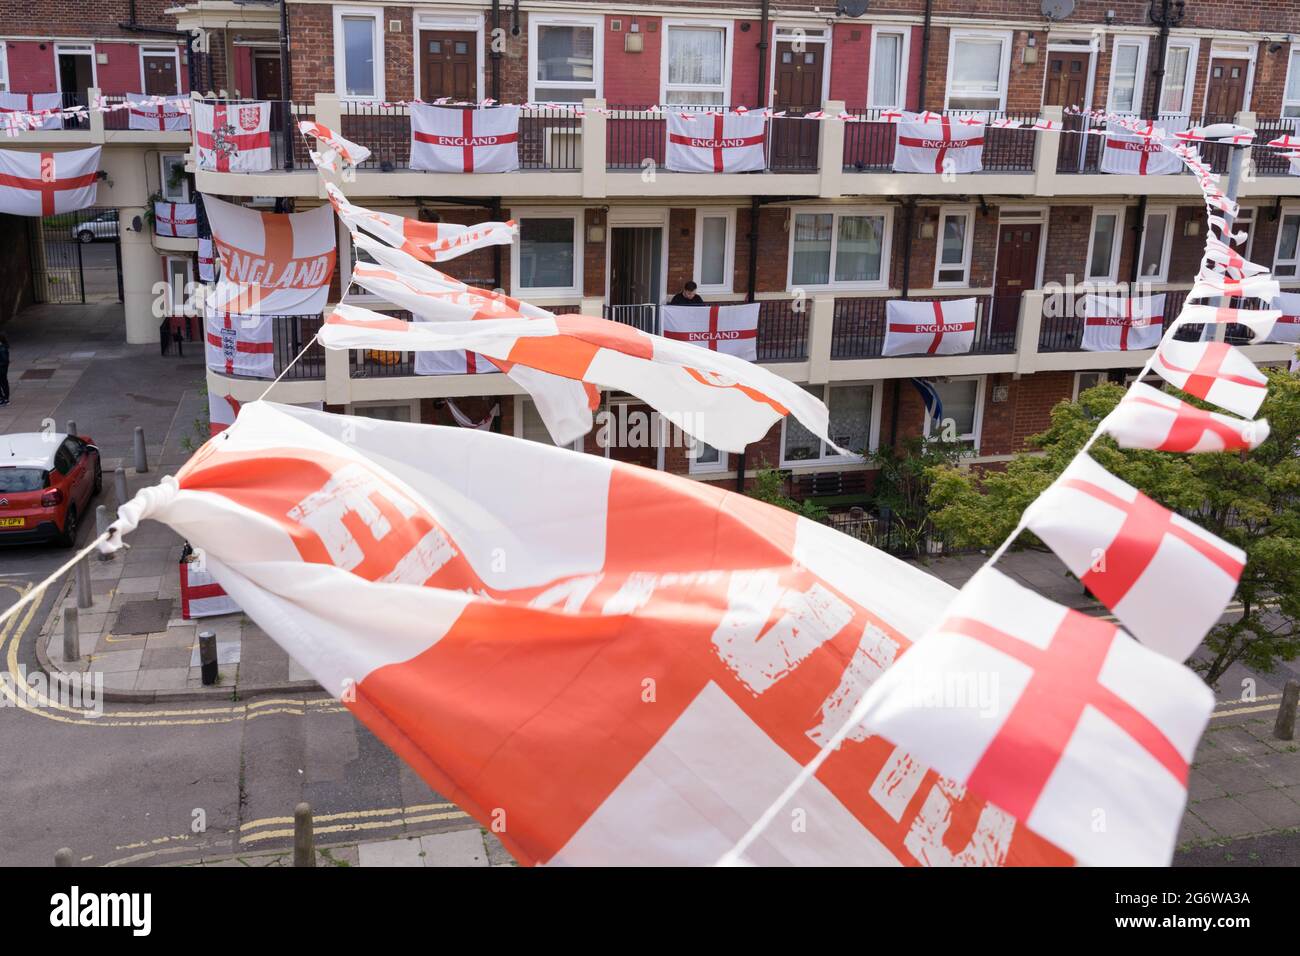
x: 1291, y: 94
x: 358, y: 54
x: 832, y: 248
x: 886, y: 81
x: 853, y: 426
x: 707, y: 460
x: 715, y: 250
x: 977, y: 70
x: 175, y: 184
x: 1288, y: 245
x: 1157, y: 237
x: 1245, y: 222
x: 963, y: 412
x: 547, y: 258
x: 4, y: 68
x: 565, y: 58
x: 1180, y: 61
x: 387, y: 412
x: 1103, y: 245
x: 952, y: 258
x: 1126, y: 66
x: 697, y: 67
x: 177, y: 270
x: 1086, y: 380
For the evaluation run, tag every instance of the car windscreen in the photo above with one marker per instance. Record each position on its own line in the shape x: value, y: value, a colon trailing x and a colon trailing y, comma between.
x: 22, y: 479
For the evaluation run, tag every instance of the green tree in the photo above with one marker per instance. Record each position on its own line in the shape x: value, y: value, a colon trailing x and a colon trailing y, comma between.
x: 769, y: 486
x: 1251, y: 500
x: 904, y: 476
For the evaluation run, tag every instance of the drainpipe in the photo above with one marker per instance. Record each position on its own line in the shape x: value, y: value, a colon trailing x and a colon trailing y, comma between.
x: 909, y: 218
x: 496, y: 81
x: 496, y: 249
x: 752, y: 285
x: 286, y: 90
x: 762, y: 55
x: 925, y: 55
x: 1164, y: 21
x: 1135, y: 271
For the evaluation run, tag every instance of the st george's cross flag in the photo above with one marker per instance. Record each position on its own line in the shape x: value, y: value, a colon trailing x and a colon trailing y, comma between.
x: 1130, y: 153
x: 457, y: 362
x: 31, y: 110
x: 232, y: 137
x: 1287, y: 326
x: 449, y: 140
x: 169, y: 113
x: 46, y: 183
x: 1223, y: 255
x: 175, y: 219
x: 1214, y: 372
x: 1259, y: 322
x: 239, y: 344
x: 207, y: 261
x: 1122, y: 323
x: 1150, y: 418
x: 723, y: 328
x: 1213, y: 285
x: 950, y: 144
x: 334, y: 152
x: 426, y: 241
x: 723, y: 142
x: 370, y: 551
x: 222, y: 410
x: 940, y: 327
x: 272, y: 263
x: 1133, y: 553
x: 1077, y: 719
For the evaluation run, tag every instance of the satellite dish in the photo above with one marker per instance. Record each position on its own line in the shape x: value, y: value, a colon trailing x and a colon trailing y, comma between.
x: 852, y: 8
x: 1057, y: 9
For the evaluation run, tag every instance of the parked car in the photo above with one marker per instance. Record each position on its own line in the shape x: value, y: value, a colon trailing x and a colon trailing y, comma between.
x: 46, y: 484
x: 103, y: 226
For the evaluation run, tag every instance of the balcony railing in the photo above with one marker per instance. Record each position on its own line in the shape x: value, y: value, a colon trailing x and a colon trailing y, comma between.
x: 1062, y: 325
x: 1082, y: 143
x: 869, y: 142
x: 1273, y: 162
x: 634, y: 134
x: 859, y: 328
x: 292, y: 332
x: 782, y: 327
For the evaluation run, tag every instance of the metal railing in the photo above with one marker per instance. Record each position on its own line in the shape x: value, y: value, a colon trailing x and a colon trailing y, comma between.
x: 291, y: 333
x: 635, y: 135
x: 891, y: 534
x: 859, y: 325
x: 1273, y: 162
x: 1081, y: 142
x: 869, y: 141
x: 1061, y: 329
x: 782, y: 331
x: 640, y: 315
x: 382, y: 363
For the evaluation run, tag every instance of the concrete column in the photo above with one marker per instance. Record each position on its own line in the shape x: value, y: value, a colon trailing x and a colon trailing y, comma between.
x: 593, y: 149
x: 1248, y: 119
x: 1027, y: 331
x: 830, y: 151
x: 329, y: 111
x: 1047, y: 147
x: 592, y: 306
x: 338, y: 385
x: 96, y: 117
x: 141, y: 271
x: 821, y: 325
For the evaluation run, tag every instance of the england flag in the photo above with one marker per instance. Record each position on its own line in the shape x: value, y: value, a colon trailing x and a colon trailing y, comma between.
x: 46, y: 183
x: 232, y: 137
x: 31, y: 110
x: 1286, y: 328
x: 170, y: 113
x: 1215, y: 372
x: 175, y: 219
x: 240, y: 344
x: 941, y: 327
x: 1149, y: 418
x: 724, y: 142
x: 1122, y: 323
x: 947, y: 144
x: 723, y: 328
x: 446, y: 140
x: 452, y: 362
x: 1130, y: 153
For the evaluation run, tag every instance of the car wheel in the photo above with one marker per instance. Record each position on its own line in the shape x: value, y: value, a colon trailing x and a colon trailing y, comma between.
x: 69, y: 536
x: 86, y: 235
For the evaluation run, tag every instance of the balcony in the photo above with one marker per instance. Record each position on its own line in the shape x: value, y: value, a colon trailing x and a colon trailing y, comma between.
x: 782, y: 326
x: 869, y: 143
x: 859, y: 329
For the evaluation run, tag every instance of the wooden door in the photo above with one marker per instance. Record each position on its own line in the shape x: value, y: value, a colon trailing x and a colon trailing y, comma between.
x: 448, y: 65
x: 1018, y: 245
x: 797, y: 84
x: 1067, y: 79
x: 266, y: 76
x: 160, y: 74
x: 1226, y: 93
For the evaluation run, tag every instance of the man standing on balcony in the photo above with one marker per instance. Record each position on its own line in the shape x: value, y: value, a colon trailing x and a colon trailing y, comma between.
x: 688, y: 296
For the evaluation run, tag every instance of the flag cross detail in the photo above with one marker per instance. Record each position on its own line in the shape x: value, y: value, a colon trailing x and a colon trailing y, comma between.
x: 939, y: 328
x: 224, y: 141
x: 714, y: 334
x: 1126, y: 322
x: 945, y: 142
x: 49, y: 182
x: 467, y: 141
x: 719, y: 142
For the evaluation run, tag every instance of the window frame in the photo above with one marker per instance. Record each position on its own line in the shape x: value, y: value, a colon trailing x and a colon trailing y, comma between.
x: 4, y: 67
x: 838, y: 212
x: 1120, y: 213
x: 694, y: 467
x: 727, y: 287
x: 596, y: 23
x: 1004, y: 69
x: 376, y: 16
x: 1294, y: 261
x: 162, y: 178
x: 1169, y: 214
x: 1292, y: 72
x: 76, y: 49
x: 1078, y: 378
x: 967, y: 212
x: 976, y: 435
x: 578, y: 216
x: 873, y: 429
x: 178, y: 300
x: 728, y: 61
x: 1139, y: 77
x: 413, y: 404
x: 1193, y: 47
x: 904, y: 35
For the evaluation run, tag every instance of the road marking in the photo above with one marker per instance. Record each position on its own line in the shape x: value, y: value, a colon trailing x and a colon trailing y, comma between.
x: 359, y: 826
x: 346, y: 815
x: 1235, y: 703
x: 1243, y: 710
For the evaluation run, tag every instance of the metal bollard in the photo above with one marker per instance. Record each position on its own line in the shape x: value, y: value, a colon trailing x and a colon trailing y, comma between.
x: 84, y: 597
x: 304, y: 853
x: 72, y: 426
x: 102, y: 521
x: 63, y: 857
x: 208, y: 657
x: 1284, y: 727
x: 119, y: 486
x: 71, y: 636
x: 141, y: 460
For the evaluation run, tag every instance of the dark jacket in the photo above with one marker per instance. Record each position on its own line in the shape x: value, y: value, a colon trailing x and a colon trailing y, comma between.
x: 680, y: 299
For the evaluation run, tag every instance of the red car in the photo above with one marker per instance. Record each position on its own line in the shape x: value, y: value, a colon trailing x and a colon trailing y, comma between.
x: 46, y: 483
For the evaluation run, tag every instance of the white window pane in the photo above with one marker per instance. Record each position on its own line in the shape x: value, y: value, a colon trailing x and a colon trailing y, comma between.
x: 977, y: 66
x: 563, y: 94
x: 954, y: 241
x: 812, y: 248
x: 885, y: 70
x: 1153, y: 245
x: 696, y: 98
x: 1125, y: 73
x: 705, y: 454
x: 850, y: 421
x: 566, y: 54
x: 359, y: 56
x: 857, y: 252
x: 959, y: 404
x: 1171, y: 100
x: 546, y: 253
x: 1103, y: 238
x: 800, y: 443
x: 1293, y: 80
x: 713, y: 251
x: 695, y: 56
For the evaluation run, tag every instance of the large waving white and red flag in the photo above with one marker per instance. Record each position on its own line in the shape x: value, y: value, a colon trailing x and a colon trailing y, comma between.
x: 272, y: 263
x: 1286, y: 328
x: 722, y: 142
x: 31, y: 110
x: 723, y: 328
x: 946, y: 144
x: 1215, y: 372
x: 1122, y: 323
x: 335, y: 153
x: 1150, y: 418
x: 1259, y: 322
x: 157, y: 112
x: 1220, y: 253
x: 941, y: 327
x: 426, y: 241
x: 1078, y: 720
x: 44, y: 183
x: 207, y: 260
x: 1133, y: 154
x: 232, y: 137
x: 240, y: 344
x: 448, y: 140
x: 1213, y: 285
x: 1133, y: 553
x: 636, y: 683
x: 176, y: 219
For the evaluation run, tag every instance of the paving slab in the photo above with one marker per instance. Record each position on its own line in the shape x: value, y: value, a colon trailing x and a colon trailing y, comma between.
x: 402, y: 852
x: 454, y: 848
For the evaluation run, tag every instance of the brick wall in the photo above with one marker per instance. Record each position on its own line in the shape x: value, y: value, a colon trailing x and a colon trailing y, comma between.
x: 632, y: 79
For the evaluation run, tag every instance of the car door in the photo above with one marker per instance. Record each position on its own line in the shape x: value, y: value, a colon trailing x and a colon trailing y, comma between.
x: 79, y: 477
